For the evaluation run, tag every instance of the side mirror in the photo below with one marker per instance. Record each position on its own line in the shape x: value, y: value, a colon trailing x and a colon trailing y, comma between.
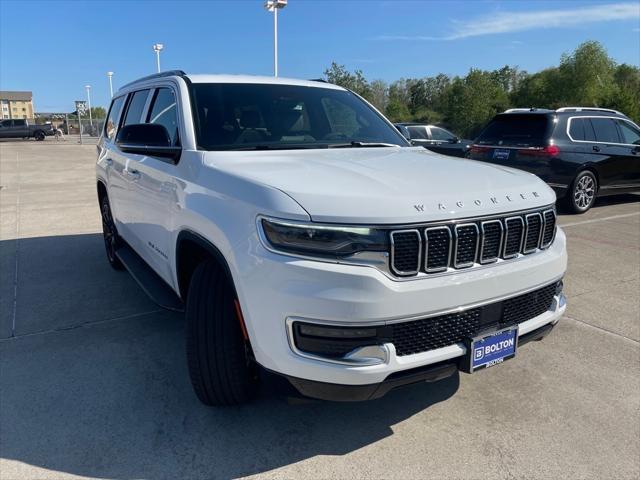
x: 149, y: 139
x: 454, y: 140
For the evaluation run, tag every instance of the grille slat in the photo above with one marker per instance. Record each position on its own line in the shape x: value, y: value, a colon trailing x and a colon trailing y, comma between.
x: 438, y: 246
x: 514, y: 233
x: 466, y: 245
x: 463, y: 245
x: 533, y: 224
x: 406, y: 246
x: 491, y: 241
x: 549, y: 228
x: 436, y: 332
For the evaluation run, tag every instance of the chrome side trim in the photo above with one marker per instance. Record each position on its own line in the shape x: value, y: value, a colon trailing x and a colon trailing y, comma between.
x: 491, y: 259
x: 544, y: 229
x: 506, y: 237
x: 426, y: 255
x: 475, y: 254
x: 526, y: 250
x: 393, y: 250
x: 594, y: 141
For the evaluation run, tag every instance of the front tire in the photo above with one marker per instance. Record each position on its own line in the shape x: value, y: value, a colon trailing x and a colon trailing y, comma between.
x: 110, y: 235
x: 39, y: 136
x: 582, y: 193
x: 221, y: 365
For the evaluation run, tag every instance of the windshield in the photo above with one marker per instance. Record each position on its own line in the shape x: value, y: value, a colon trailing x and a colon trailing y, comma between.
x: 263, y: 116
x: 516, y: 130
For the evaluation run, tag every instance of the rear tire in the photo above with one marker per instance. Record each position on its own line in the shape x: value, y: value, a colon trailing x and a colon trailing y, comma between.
x: 221, y: 365
x: 582, y: 193
x: 110, y: 235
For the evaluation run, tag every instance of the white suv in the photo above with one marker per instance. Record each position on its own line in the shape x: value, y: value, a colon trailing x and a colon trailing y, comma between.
x: 306, y: 240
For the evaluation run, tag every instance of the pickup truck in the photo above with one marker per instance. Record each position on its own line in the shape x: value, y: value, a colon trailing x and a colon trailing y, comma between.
x: 311, y: 246
x: 20, y: 128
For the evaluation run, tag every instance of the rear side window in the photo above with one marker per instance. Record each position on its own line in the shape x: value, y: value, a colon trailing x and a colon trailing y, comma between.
x: 19, y: 123
x: 581, y: 129
x: 441, y: 134
x: 516, y: 130
x: 606, y: 130
x: 111, y: 125
x: 163, y: 111
x: 419, y: 133
x: 630, y: 134
x: 135, y: 108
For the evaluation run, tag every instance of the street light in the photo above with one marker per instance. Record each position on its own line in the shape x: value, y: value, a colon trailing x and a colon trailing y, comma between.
x: 158, y: 47
x: 88, y: 87
x: 110, y: 75
x: 274, y: 6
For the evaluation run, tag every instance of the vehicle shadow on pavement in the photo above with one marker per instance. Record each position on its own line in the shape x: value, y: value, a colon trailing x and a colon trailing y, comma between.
x: 108, y: 395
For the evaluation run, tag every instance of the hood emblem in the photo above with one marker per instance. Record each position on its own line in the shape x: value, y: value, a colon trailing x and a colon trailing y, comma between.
x: 420, y: 207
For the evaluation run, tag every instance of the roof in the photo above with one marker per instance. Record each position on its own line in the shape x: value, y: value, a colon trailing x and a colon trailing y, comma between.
x: 566, y: 110
x: 16, y: 96
x: 218, y: 78
x: 204, y: 78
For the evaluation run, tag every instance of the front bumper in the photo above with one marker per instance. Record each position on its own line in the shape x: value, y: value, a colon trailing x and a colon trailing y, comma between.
x: 273, y: 289
x: 355, y: 393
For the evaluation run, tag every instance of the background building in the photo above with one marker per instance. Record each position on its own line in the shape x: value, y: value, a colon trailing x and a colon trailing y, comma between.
x: 16, y: 104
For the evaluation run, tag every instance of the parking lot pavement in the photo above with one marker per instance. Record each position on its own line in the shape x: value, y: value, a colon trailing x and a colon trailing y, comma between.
x: 93, y: 381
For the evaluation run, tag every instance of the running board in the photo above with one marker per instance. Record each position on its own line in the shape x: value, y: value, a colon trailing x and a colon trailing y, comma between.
x: 156, y: 288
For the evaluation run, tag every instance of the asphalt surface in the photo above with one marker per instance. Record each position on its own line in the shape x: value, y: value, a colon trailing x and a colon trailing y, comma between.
x: 93, y: 378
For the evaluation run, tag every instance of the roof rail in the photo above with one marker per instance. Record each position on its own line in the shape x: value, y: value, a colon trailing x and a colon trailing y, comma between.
x: 589, y: 109
x: 318, y: 80
x: 168, y: 73
x: 512, y: 110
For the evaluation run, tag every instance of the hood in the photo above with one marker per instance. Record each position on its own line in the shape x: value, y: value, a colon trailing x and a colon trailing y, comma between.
x: 387, y: 185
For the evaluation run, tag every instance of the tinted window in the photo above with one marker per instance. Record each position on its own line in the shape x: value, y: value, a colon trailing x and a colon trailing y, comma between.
x: 135, y: 108
x: 6, y: 123
x: 630, y: 134
x: 232, y: 116
x: 606, y: 130
x: 164, y: 112
x: 576, y: 128
x: 518, y: 130
x: 19, y: 123
x: 419, y: 133
x: 111, y: 124
x: 441, y: 134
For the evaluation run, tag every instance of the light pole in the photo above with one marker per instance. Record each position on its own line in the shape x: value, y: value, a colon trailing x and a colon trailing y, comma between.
x: 88, y: 87
x: 110, y: 75
x: 274, y: 6
x: 158, y: 47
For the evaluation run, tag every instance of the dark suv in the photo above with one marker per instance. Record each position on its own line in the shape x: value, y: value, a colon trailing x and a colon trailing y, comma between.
x: 581, y: 152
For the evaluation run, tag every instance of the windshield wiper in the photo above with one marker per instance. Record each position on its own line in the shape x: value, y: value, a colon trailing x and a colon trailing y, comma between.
x: 355, y: 144
x: 279, y: 147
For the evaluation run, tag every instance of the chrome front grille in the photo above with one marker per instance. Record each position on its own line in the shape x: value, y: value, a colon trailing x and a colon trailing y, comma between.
x: 459, y: 245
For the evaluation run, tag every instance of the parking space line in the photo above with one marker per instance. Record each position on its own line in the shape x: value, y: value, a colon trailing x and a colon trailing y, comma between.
x: 84, y: 324
x: 609, y: 332
x: 596, y: 220
x: 15, y: 274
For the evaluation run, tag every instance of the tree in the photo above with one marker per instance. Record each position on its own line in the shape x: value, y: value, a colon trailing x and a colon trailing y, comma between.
x: 98, y: 112
x: 379, y: 94
x: 339, y: 75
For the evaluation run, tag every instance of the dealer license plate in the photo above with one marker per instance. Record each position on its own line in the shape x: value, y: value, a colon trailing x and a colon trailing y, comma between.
x: 501, y: 154
x: 492, y: 349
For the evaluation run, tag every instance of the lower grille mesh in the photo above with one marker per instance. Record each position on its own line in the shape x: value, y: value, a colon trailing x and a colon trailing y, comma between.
x: 437, y: 332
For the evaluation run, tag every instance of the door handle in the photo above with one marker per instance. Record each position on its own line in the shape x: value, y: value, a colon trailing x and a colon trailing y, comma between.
x: 596, y: 148
x: 134, y: 174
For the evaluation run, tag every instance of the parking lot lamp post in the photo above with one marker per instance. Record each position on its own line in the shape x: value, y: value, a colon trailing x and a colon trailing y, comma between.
x: 110, y: 75
x: 274, y: 6
x: 88, y: 87
x: 158, y: 47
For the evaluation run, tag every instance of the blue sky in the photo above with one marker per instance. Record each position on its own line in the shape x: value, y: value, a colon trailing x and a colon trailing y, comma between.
x: 56, y: 47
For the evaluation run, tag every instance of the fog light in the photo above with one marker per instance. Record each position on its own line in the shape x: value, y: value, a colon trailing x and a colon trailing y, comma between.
x: 559, y: 287
x: 330, y: 332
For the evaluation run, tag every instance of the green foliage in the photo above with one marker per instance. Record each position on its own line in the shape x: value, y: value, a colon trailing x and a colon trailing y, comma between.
x: 585, y: 77
x: 98, y: 112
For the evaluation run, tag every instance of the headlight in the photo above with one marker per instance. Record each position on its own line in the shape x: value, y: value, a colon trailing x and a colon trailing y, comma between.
x: 323, y: 240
